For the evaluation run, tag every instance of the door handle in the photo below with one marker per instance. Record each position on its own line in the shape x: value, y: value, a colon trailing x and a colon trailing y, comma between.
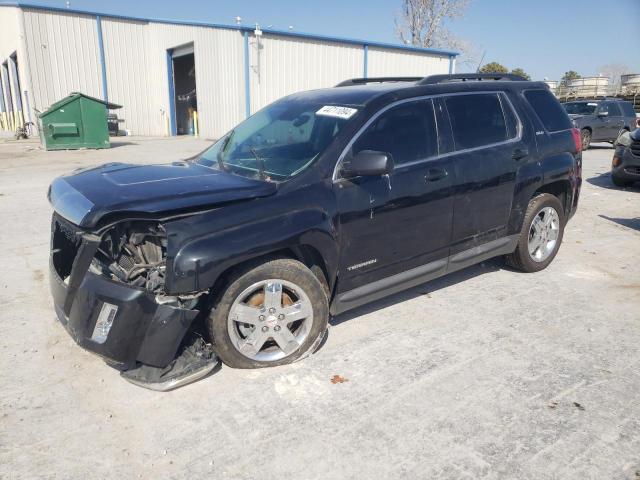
x: 520, y: 153
x: 435, y: 174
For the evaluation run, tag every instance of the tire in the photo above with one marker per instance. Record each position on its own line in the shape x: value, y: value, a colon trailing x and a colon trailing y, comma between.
x: 252, y: 295
x: 539, y: 206
x: 619, y: 182
x: 585, y: 136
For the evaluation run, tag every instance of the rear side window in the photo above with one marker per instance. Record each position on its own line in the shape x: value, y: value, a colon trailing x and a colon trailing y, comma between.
x: 476, y: 120
x: 407, y: 132
x: 627, y: 109
x: 548, y: 109
x: 612, y: 108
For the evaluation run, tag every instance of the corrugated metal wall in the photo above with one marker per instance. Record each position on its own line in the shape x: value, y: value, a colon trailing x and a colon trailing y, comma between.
x: 384, y: 62
x: 219, y: 72
x: 137, y: 75
x: 282, y: 66
x: 63, y: 55
x: 126, y: 53
x: 10, y: 43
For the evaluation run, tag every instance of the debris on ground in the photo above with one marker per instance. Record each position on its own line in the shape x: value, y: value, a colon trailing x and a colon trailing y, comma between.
x: 578, y: 406
x: 338, y: 379
x: 552, y: 404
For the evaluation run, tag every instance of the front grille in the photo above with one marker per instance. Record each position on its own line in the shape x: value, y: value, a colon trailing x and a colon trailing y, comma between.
x: 65, y: 242
x: 635, y: 148
x: 633, y: 170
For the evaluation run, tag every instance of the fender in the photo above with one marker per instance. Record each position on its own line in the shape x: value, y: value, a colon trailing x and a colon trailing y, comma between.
x: 535, y: 176
x: 202, y: 247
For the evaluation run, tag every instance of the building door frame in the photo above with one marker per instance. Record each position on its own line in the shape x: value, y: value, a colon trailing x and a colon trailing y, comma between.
x: 174, y: 52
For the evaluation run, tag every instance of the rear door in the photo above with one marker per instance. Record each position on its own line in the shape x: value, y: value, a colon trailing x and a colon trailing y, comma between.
x: 604, y: 122
x: 628, y: 115
x: 488, y: 149
x: 392, y: 223
x: 617, y: 120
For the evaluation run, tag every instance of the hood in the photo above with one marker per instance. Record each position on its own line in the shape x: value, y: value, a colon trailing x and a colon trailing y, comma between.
x: 86, y: 196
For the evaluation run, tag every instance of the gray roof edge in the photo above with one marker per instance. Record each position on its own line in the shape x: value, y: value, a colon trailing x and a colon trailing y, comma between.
x: 241, y: 28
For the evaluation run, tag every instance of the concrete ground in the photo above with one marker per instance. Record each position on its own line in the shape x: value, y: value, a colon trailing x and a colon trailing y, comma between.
x: 487, y: 373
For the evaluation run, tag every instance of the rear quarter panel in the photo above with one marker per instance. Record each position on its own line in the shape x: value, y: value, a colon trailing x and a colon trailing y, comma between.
x: 554, y: 161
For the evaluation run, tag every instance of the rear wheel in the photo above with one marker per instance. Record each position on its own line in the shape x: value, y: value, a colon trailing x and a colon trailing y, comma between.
x: 272, y: 314
x: 541, y: 235
x: 585, y: 136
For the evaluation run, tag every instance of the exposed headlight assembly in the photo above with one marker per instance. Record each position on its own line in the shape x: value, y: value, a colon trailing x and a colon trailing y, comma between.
x: 134, y: 253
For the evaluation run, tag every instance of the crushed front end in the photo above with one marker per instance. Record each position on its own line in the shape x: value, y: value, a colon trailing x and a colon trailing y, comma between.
x: 108, y: 292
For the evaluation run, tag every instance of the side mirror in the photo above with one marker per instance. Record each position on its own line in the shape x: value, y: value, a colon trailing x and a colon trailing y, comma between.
x: 603, y: 114
x: 367, y: 163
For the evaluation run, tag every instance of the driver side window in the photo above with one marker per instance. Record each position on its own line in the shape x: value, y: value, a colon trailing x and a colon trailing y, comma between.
x: 408, y: 132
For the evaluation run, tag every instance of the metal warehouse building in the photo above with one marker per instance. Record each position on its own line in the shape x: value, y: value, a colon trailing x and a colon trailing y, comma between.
x: 163, y: 71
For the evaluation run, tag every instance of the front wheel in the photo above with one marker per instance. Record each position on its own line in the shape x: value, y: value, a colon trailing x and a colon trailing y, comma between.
x: 541, y: 235
x: 272, y: 314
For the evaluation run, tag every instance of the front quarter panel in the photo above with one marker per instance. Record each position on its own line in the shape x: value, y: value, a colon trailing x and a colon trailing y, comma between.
x: 204, y: 246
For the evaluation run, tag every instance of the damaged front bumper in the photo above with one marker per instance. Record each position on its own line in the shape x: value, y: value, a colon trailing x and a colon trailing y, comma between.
x: 124, y: 325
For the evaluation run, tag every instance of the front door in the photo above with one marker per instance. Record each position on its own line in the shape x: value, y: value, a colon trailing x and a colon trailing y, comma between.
x: 392, y: 223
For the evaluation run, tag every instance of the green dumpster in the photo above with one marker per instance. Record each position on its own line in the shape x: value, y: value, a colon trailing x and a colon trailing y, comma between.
x: 76, y: 121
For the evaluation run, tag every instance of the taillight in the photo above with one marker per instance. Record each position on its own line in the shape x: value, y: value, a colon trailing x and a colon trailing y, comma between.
x: 577, y: 140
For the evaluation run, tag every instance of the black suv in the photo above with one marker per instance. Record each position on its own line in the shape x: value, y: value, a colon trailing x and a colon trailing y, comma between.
x: 601, y: 120
x: 321, y: 202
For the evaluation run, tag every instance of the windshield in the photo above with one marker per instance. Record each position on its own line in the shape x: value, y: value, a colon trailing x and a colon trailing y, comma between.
x: 580, y: 108
x: 279, y: 141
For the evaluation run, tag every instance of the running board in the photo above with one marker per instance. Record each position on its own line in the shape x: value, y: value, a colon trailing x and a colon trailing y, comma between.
x: 422, y: 274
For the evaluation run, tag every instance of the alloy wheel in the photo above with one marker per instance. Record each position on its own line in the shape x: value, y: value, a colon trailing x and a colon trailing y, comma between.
x: 543, y: 234
x: 270, y: 320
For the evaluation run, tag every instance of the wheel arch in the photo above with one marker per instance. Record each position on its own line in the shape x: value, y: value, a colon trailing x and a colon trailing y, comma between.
x: 561, y: 189
x: 306, y: 254
x: 204, y: 262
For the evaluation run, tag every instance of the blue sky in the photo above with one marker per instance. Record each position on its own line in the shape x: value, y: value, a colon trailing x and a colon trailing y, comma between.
x: 545, y: 37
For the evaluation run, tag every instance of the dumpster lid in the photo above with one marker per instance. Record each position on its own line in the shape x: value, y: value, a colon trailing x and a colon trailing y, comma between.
x: 72, y: 96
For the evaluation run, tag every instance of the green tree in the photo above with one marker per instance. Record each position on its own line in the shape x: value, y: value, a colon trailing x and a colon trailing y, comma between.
x: 494, y: 67
x: 521, y: 73
x: 570, y: 75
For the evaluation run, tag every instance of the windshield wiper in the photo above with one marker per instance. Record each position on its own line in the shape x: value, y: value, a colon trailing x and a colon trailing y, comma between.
x: 260, y: 162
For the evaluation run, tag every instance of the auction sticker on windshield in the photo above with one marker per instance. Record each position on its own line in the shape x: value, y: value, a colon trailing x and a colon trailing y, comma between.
x: 338, y: 112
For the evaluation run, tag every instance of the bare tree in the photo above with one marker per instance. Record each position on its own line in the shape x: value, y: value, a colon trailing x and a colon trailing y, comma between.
x: 613, y: 71
x: 421, y: 23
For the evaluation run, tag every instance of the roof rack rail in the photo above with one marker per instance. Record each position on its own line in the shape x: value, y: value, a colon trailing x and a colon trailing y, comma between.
x: 467, y: 77
x: 364, y: 81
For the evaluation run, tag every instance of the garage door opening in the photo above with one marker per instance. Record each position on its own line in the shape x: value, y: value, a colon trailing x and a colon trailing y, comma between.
x: 185, y: 97
x: 17, y: 88
x: 8, y: 105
